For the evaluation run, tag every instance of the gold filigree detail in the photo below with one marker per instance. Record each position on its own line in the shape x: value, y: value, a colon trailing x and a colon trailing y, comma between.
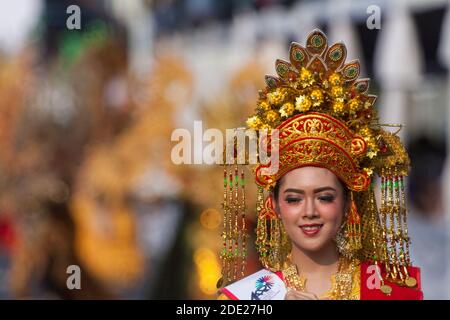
x: 318, y: 140
x: 345, y: 283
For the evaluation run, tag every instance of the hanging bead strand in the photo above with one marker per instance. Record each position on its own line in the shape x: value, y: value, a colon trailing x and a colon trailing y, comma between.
x: 392, y: 243
x: 230, y: 225
x: 400, y: 229
x: 261, y: 228
x: 243, y: 229
x: 223, y: 252
x: 409, y: 281
x: 405, y: 225
x: 383, y: 212
x: 237, y: 208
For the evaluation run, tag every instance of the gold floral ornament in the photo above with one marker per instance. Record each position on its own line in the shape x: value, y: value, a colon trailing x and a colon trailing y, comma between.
x: 318, y: 80
x: 287, y: 110
x: 302, y: 103
x: 326, y: 118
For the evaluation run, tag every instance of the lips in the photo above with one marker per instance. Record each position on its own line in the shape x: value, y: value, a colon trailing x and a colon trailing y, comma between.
x: 311, y: 229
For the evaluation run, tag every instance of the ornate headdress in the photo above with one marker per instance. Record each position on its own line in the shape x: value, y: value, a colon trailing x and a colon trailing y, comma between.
x: 325, y: 118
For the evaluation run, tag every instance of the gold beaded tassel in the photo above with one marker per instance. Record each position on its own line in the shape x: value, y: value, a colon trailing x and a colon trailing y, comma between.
x: 398, y: 233
x: 403, y: 232
x: 229, y: 243
x: 275, y: 243
x: 384, y: 223
x: 271, y: 238
x: 403, y: 273
x: 227, y: 233
x: 224, y: 254
x: 236, y: 209
x: 391, y: 233
x: 395, y: 230
x: 243, y: 229
x: 239, y: 232
x: 233, y: 254
x: 404, y: 214
x: 261, y: 227
x: 379, y: 249
x: 354, y: 226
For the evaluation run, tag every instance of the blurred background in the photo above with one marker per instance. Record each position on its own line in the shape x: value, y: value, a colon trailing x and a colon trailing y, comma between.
x: 86, y: 118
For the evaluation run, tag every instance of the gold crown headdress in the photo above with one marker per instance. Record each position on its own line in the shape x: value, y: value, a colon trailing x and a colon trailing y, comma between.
x: 325, y: 118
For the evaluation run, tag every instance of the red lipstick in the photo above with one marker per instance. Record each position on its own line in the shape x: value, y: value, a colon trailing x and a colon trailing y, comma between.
x: 311, y: 229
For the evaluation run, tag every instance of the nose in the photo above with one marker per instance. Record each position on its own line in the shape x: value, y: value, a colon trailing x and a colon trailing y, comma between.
x: 310, y: 209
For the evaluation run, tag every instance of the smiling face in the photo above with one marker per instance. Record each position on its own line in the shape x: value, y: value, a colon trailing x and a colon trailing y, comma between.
x: 311, y: 203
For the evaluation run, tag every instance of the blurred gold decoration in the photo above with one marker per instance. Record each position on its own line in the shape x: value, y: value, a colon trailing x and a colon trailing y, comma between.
x: 231, y: 106
x: 223, y: 112
x: 210, y: 218
x: 106, y: 232
x: 105, y: 229
x: 208, y: 269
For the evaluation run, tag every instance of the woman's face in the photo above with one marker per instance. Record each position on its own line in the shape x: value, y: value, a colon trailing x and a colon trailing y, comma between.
x: 311, y: 205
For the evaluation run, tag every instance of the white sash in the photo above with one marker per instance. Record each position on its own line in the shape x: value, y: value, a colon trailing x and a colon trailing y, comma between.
x: 262, y: 285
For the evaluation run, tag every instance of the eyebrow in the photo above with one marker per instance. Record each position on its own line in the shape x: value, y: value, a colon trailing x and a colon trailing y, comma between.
x: 315, y: 190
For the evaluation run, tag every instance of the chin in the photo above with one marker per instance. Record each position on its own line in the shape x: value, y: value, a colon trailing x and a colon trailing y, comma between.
x: 312, y: 245
x: 309, y: 247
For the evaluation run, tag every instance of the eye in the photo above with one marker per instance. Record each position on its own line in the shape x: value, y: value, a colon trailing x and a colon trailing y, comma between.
x: 327, y: 198
x: 292, y: 200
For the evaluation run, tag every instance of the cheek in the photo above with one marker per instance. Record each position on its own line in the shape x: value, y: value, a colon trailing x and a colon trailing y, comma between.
x: 289, y: 213
x: 332, y: 213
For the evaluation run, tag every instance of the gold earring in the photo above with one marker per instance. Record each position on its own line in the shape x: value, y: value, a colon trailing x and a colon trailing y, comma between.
x: 354, y: 227
x: 272, y: 241
x: 341, y: 240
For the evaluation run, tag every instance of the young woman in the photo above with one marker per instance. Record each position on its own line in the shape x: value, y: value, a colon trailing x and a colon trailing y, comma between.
x: 320, y: 233
x: 311, y: 202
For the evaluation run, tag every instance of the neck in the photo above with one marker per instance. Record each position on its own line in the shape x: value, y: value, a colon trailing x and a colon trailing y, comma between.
x: 310, y: 262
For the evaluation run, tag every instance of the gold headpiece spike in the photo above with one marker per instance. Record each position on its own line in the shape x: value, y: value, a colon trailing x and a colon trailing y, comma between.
x: 316, y: 42
x: 272, y: 82
x: 351, y: 70
x: 298, y: 55
x: 335, y: 56
x: 317, y: 65
x: 361, y: 86
x: 285, y: 70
